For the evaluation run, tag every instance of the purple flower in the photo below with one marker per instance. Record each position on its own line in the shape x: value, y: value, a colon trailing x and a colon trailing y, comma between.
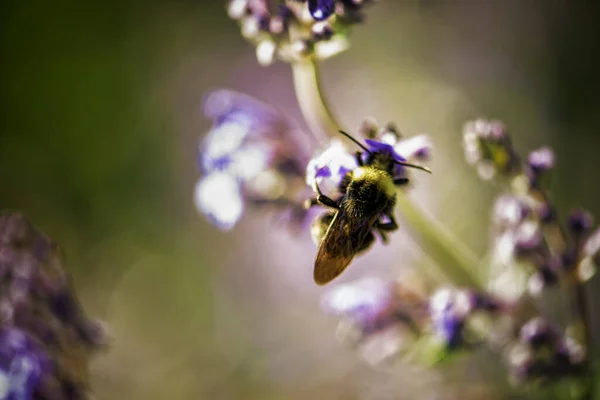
x: 450, y: 311
x: 541, y: 160
x: 45, y: 339
x: 541, y: 352
x: 488, y: 147
x: 580, y: 222
x: 385, y: 148
x: 365, y: 301
x: 249, y: 155
x: 387, y: 140
x: 329, y: 167
x: 377, y: 315
x: 537, y: 169
x: 510, y: 211
x: 321, y: 9
x: 22, y: 365
x: 415, y: 148
x: 321, y: 27
x: 448, y: 317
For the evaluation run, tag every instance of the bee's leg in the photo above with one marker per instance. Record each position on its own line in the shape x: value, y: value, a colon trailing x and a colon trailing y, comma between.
x: 387, y: 226
x: 309, y: 203
x: 321, y: 199
x: 383, y: 235
x: 401, y: 181
x: 359, y: 160
x: 326, y: 201
x: 384, y: 227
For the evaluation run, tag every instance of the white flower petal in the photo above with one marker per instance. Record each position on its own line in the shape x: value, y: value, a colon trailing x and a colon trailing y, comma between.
x: 416, y: 147
x: 249, y: 162
x: 337, y: 158
x: 223, y: 140
x: 218, y: 196
x: 370, y: 294
x: 265, y: 52
x: 329, y: 48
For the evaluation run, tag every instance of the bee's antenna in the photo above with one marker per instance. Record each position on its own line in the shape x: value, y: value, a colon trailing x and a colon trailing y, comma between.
x: 422, y: 168
x: 362, y: 146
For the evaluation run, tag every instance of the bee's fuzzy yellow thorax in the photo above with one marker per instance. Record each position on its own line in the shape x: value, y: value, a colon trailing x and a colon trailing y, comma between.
x: 375, y: 175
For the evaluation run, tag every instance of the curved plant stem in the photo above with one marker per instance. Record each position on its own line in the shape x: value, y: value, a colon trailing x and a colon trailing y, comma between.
x: 314, y: 107
x: 455, y: 261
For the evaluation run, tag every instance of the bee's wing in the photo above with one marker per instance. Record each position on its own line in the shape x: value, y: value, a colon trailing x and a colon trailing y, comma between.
x: 339, y: 245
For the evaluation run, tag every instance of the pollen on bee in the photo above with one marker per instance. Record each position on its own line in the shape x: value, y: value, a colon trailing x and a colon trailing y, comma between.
x: 359, y: 173
x: 375, y: 175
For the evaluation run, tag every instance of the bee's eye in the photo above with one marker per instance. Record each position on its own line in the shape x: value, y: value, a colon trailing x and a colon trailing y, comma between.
x: 321, y: 9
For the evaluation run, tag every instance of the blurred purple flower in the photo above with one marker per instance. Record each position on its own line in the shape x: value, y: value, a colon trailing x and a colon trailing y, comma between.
x: 321, y: 9
x: 366, y: 301
x: 250, y: 155
x: 488, y: 147
x: 46, y: 339
x: 329, y: 167
x: 542, y: 353
x: 451, y: 311
x: 22, y: 365
x: 382, y: 317
x: 320, y: 27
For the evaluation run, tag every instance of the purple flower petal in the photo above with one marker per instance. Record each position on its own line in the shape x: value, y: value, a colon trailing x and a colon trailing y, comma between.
x: 22, y: 364
x: 362, y: 301
x: 321, y: 9
x: 379, y: 147
x: 323, y: 172
x: 331, y: 165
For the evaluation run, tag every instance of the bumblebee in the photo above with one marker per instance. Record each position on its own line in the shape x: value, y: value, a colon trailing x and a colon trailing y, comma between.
x: 366, y: 204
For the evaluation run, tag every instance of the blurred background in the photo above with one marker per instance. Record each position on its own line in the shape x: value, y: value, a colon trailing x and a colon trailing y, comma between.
x: 101, y: 116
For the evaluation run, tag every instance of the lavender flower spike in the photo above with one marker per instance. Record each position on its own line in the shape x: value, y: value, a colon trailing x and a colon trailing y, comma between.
x: 452, y: 313
x: 46, y: 340
x: 488, y: 147
x: 249, y: 156
x: 297, y: 30
x: 380, y: 317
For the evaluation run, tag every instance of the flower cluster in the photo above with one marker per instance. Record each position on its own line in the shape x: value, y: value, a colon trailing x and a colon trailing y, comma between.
x: 332, y: 164
x: 250, y: 155
x: 462, y: 318
x: 45, y: 337
x: 488, y: 147
x: 295, y: 30
x: 390, y: 316
x: 23, y: 364
x: 329, y: 167
x: 382, y: 318
x: 543, y: 353
x: 529, y: 240
x: 534, y: 249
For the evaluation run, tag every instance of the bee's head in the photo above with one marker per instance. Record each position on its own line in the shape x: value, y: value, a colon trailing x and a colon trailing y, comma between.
x: 383, y: 155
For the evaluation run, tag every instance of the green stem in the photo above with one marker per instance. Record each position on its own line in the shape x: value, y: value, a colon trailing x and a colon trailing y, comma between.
x: 454, y: 260
x: 314, y: 107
